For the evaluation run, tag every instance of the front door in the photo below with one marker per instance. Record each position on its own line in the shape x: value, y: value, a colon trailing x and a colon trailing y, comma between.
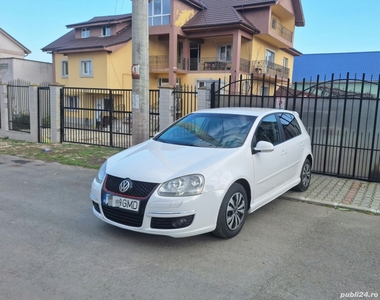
x: 269, y: 167
x: 194, y: 56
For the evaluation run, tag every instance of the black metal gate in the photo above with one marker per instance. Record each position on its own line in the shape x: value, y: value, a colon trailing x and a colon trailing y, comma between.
x: 341, y: 115
x: 44, y: 115
x: 102, y: 116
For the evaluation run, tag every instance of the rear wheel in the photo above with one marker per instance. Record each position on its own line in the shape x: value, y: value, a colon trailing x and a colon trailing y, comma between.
x: 232, y: 212
x: 305, y: 177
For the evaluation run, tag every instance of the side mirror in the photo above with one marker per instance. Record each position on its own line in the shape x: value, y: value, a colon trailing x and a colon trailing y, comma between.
x: 263, y: 146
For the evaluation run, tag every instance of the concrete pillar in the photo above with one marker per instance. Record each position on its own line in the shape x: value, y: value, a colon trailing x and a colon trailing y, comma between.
x: 33, y: 113
x: 3, y: 109
x: 166, y: 107
x: 55, y: 113
x: 203, y: 98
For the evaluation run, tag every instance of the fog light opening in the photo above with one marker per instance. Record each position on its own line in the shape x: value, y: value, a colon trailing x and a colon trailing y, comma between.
x: 182, y: 222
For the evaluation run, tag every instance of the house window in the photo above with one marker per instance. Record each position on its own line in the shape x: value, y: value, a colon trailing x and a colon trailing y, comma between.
x: 3, y: 66
x: 106, y: 31
x: 65, y: 69
x: 285, y: 62
x: 85, y: 33
x: 165, y: 82
x: 201, y: 84
x: 264, y: 91
x: 225, y: 52
x: 158, y: 12
x: 86, y: 68
x: 270, y: 59
x: 72, y: 102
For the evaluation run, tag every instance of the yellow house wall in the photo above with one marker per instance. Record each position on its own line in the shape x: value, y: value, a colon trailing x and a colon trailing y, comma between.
x: 99, y: 65
x: 210, y: 46
x: 157, y: 47
x: 246, y: 49
x: 259, y: 49
x: 119, y: 68
x: 58, y: 58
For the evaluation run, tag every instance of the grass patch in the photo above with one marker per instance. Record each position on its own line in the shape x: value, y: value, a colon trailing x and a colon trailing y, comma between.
x: 87, y: 156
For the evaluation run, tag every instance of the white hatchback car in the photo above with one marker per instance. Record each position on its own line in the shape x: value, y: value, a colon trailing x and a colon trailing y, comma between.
x: 204, y: 173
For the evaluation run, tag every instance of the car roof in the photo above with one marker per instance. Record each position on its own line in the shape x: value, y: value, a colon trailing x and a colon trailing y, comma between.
x: 251, y: 111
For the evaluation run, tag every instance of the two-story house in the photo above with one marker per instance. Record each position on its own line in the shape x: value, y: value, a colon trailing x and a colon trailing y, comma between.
x: 190, y: 41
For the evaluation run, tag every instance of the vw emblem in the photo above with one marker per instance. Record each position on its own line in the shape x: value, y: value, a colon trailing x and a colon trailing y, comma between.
x: 125, y: 185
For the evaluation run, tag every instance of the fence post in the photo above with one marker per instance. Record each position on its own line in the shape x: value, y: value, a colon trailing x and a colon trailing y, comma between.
x: 55, y: 113
x: 204, y: 96
x: 166, y: 107
x: 3, y: 109
x: 33, y: 111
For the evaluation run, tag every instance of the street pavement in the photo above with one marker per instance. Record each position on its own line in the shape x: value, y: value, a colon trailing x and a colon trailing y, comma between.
x: 53, y: 247
x: 340, y: 193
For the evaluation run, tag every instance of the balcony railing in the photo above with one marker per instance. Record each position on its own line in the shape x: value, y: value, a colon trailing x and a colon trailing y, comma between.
x: 270, y: 68
x: 214, y: 64
x: 159, y: 62
x: 244, y: 65
x: 281, y: 30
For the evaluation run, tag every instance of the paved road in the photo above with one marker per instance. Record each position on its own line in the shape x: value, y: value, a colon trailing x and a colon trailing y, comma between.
x: 52, y: 247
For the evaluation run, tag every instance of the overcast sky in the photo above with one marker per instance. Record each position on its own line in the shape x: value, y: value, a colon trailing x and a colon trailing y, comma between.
x: 332, y: 26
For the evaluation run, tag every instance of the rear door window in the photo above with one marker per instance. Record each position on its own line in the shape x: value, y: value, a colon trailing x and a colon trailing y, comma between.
x: 290, y: 125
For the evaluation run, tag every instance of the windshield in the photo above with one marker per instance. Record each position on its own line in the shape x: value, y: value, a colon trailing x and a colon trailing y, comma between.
x: 208, y: 130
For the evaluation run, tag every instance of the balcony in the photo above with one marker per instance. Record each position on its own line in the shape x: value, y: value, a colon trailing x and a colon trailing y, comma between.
x: 281, y: 30
x: 270, y: 68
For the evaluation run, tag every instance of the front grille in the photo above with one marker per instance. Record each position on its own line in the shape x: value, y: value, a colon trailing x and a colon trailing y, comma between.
x: 125, y: 217
x: 139, y: 190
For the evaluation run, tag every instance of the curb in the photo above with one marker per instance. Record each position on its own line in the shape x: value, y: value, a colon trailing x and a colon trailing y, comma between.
x: 333, y: 204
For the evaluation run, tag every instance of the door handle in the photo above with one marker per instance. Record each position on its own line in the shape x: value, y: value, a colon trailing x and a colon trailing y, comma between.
x: 283, y: 152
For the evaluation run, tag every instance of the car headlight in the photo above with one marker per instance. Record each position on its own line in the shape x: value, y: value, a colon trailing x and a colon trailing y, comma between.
x: 101, y: 173
x: 182, y: 186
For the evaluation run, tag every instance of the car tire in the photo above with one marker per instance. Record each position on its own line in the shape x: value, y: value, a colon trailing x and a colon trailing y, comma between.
x: 305, y: 177
x: 232, y: 212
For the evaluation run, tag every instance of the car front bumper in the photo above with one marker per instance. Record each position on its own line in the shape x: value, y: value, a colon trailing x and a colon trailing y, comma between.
x: 197, y: 213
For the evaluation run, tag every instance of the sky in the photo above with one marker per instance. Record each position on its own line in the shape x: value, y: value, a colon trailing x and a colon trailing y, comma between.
x: 332, y: 26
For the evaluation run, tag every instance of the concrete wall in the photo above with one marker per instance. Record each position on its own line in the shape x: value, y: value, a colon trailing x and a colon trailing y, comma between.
x: 34, y: 72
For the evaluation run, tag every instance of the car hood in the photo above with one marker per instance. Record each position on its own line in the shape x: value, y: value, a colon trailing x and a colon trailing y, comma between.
x: 157, y: 162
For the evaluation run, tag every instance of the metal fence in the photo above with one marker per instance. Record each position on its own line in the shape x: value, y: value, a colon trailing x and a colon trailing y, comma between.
x: 101, y: 116
x: 44, y: 115
x: 18, y: 106
x: 185, y: 101
x: 341, y: 115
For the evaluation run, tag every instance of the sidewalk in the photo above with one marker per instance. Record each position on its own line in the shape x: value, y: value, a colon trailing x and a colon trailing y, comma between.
x: 340, y: 192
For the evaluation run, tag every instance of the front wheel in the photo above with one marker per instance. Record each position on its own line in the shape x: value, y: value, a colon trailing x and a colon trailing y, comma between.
x: 232, y: 212
x: 305, y: 177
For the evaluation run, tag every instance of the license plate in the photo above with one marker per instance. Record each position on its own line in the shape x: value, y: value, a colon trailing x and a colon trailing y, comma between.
x: 120, y: 202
